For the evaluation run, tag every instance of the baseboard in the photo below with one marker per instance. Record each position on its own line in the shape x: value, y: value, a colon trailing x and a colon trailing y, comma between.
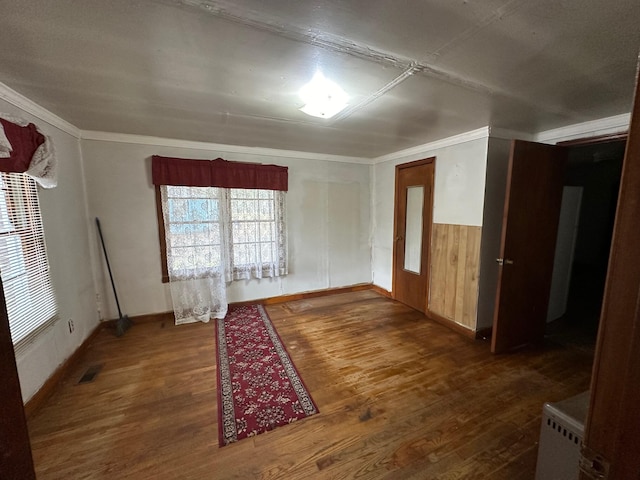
x: 456, y: 327
x: 41, y: 396
x: 153, y: 317
x: 169, y: 317
x: 305, y: 295
x: 381, y: 291
x: 146, y: 318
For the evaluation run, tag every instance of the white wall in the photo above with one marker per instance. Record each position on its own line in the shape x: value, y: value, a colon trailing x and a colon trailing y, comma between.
x: 328, y: 214
x: 459, y: 184
x: 65, y: 226
x: 458, y: 196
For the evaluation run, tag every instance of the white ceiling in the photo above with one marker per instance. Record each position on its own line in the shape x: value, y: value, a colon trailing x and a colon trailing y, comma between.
x: 228, y: 71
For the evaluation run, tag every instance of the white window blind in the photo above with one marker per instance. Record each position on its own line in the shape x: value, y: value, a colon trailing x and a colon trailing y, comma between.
x: 24, y: 268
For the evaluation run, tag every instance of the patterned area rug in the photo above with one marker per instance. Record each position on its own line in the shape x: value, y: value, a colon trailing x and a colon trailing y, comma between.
x: 258, y: 386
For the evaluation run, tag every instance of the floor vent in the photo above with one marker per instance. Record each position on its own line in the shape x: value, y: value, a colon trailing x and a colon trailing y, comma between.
x: 91, y: 374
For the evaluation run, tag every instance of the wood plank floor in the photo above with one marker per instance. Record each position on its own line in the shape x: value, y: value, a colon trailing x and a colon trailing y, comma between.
x: 400, y: 397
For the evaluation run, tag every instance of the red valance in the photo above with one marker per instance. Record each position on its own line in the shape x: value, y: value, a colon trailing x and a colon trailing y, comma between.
x: 218, y: 173
x: 24, y: 143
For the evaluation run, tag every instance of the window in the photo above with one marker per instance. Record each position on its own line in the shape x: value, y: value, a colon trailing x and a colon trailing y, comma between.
x: 240, y: 233
x: 257, y: 232
x: 31, y: 304
x: 192, y: 222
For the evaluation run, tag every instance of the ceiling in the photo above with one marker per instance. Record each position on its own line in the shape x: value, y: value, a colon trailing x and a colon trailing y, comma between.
x: 229, y: 71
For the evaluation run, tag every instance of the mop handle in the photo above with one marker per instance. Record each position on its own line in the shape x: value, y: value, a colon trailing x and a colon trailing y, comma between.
x: 106, y: 257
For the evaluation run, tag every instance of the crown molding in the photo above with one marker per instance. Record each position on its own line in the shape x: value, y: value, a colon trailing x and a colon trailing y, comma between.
x: 23, y: 103
x: 215, y: 147
x: 593, y: 128
x: 430, y: 147
x: 506, y: 134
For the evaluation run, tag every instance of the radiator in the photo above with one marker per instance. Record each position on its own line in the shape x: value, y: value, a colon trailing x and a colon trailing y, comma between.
x: 561, y: 436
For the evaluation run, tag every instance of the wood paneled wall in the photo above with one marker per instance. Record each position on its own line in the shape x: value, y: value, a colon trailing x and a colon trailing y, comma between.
x: 455, y: 265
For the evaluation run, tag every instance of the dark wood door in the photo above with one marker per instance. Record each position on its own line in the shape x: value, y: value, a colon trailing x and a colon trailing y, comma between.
x: 612, y: 437
x: 412, y: 232
x: 15, y: 450
x: 532, y: 208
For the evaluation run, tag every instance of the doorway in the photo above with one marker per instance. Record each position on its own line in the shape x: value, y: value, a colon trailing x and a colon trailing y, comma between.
x: 533, y: 195
x: 593, y: 171
x: 413, y: 211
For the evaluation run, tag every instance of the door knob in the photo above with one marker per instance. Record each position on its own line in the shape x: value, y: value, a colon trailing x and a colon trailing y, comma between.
x: 504, y: 261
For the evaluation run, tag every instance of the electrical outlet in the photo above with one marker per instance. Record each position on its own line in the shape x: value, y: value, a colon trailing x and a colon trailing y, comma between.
x: 71, y: 326
x: 98, y: 306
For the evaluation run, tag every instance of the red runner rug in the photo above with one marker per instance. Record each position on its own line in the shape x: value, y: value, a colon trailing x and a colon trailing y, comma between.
x: 258, y: 386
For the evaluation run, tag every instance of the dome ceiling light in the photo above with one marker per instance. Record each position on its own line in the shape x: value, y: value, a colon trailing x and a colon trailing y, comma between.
x: 323, y: 98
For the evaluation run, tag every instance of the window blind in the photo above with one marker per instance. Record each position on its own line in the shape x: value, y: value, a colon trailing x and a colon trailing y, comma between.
x: 24, y: 267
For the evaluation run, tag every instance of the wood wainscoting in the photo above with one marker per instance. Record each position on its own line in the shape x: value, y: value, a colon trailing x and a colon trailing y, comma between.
x: 455, y: 265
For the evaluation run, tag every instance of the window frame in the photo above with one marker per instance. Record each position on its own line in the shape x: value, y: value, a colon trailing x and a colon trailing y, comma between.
x: 162, y: 236
x: 234, y: 270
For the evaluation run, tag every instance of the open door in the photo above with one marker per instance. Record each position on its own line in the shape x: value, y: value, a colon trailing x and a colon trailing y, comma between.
x: 412, y: 232
x: 529, y: 229
x: 612, y: 436
x: 15, y: 450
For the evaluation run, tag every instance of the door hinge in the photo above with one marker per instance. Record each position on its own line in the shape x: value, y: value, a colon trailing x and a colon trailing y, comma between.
x: 593, y: 465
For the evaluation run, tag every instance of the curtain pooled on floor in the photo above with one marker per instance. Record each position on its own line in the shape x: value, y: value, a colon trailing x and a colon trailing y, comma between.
x: 194, y: 253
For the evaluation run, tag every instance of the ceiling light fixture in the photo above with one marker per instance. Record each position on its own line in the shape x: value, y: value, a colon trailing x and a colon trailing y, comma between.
x: 323, y: 98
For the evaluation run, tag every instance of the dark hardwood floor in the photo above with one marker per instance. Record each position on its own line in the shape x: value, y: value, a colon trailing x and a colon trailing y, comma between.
x: 400, y: 397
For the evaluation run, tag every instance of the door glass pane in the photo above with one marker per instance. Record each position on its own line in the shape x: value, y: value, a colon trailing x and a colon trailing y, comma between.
x: 413, y: 232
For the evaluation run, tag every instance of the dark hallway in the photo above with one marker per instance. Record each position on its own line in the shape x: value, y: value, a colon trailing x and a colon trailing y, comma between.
x: 596, y: 169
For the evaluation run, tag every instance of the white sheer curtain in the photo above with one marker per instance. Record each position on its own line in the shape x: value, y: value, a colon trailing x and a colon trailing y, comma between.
x: 258, y: 237
x: 195, y: 238
x: 215, y: 236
